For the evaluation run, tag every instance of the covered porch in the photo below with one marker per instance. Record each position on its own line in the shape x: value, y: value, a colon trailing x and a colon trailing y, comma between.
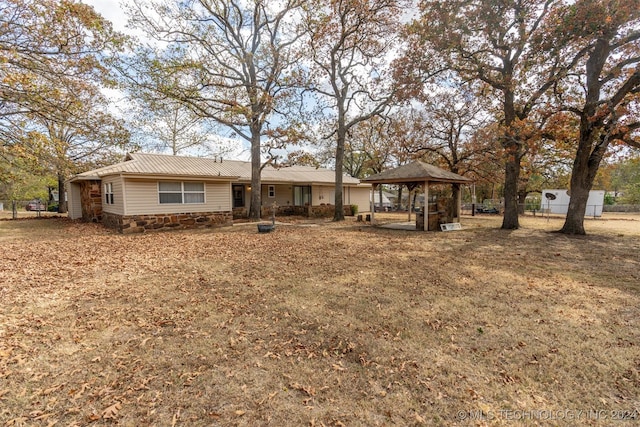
x: 419, y: 174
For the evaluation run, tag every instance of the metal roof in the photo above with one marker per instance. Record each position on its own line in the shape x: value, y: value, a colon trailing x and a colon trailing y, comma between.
x: 416, y: 172
x: 162, y: 165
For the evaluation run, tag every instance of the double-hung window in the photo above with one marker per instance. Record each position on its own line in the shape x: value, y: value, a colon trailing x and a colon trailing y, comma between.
x: 108, y: 193
x: 180, y: 192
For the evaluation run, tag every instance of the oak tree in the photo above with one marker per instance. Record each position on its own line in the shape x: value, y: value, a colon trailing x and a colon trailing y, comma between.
x: 231, y: 61
x: 83, y: 134
x: 169, y: 126
x: 602, y: 92
x: 496, y: 44
x: 349, y: 42
x: 53, y: 51
x: 45, y: 43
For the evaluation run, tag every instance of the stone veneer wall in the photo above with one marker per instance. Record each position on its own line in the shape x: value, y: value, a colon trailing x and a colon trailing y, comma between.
x: 240, y: 213
x: 91, y: 201
x: 322, y: 211
x: 141, y: 223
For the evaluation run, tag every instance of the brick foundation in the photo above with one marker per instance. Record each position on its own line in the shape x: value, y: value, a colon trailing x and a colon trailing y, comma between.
x: 141, y: 223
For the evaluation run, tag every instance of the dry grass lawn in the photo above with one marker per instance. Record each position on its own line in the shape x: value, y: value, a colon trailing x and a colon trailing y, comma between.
x: 332, y: 324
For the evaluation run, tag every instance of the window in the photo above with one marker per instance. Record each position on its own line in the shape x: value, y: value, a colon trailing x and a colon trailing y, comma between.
x: 193, y: 192
x: 301, y: 195
x: 170, y: 192
x: 272, y: 191
x: 108, y: 193
x: 181, y: 192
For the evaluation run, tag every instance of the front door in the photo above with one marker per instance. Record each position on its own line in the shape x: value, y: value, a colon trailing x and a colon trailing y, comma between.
x: 238, y: 196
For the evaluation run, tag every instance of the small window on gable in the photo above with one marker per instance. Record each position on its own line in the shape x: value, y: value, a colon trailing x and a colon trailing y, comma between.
x: 272, y: 191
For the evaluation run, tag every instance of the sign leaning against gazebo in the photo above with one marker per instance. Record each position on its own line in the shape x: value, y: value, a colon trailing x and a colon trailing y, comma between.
x: 421, y: 174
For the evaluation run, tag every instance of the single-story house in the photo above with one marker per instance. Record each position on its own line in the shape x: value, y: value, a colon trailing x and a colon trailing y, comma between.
x: 152, y: 191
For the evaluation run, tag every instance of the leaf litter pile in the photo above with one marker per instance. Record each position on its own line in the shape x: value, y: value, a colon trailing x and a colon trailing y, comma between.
x: 332, y: 325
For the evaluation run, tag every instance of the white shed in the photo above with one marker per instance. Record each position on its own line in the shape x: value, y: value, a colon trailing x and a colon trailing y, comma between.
x: 557, y: 202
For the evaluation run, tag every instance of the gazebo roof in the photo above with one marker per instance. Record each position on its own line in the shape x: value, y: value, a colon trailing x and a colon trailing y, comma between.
x: 416, y: 172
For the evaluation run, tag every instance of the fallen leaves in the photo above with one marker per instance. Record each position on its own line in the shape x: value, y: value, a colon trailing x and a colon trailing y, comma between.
x: 50, y: 390
x: 112, y: 411
x: 194, y: 328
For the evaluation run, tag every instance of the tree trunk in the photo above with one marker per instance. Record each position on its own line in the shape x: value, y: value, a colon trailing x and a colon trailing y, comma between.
x: 400, y: 197
x: 511, y: 177
x: 513, y: 154
x: 593, y: 143
x: 62, y: 199
x: 256, y: 181
x: 522, y: 199
x: 574, y: 222
x: 585, y: 168
x: 455, y: 196
x: 339, y: 212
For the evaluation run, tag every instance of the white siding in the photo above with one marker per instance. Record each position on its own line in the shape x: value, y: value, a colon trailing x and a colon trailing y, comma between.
x: 323, y: 194
x: 358, y: 196
x: 284, y: 195
x: 75, y: 201
x: 350, y: 196
x: 142, y: 198
x: 118, y: 195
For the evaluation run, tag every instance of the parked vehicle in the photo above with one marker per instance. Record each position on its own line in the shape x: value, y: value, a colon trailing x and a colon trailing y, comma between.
x: 36, y: 205
x: 482, y: 209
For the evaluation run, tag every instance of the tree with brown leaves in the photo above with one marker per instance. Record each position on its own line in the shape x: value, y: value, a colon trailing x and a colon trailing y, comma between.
x: 604, y: 90
x: 495, y: 44
x: 348, y: 44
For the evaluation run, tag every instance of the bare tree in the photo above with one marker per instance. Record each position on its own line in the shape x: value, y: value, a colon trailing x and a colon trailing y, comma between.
x: 232, y: 61
x: 173, y: 127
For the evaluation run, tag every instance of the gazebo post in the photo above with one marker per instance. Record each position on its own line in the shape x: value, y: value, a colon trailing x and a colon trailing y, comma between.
x: 409, y: 202
x: 373, y: 202
x: 425, y: 214
x: 459, y: 203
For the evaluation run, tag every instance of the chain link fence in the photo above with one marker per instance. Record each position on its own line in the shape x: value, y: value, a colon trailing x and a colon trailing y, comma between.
x: 26, y: 208
x: 533, y: 208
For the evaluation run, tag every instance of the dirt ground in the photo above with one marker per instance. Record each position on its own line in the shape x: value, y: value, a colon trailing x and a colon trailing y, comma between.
x: 320, y: 324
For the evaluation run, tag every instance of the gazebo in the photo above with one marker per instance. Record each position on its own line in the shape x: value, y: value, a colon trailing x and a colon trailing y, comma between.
x: 419, y: 173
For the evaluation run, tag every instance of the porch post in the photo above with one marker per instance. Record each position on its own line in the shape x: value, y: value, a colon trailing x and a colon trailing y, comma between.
x: 426, y: 206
